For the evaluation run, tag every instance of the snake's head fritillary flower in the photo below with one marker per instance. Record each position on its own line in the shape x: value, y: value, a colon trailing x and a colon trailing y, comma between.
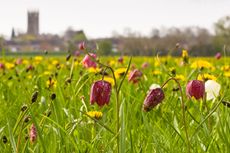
x: 154, y: 97
x: 18, y: 61
x: 145, y: 65
x: 120, y: 59
x: 88, y: 62
x: 135, y: 75
x: 100, y: 92
x: 212, y: 88
x: 196, y: 89
x: 81, y: 46
x: 218, y: 55
x: 77, y: 53
x: 2, y: 66
x: 33, y: 133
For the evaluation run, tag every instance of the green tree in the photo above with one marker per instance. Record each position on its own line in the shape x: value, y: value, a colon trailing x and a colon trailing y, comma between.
x: 222, y: 29
x: 105, y: 47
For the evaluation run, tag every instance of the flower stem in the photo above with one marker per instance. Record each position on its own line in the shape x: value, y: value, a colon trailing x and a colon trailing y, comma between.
x: 183, y: 110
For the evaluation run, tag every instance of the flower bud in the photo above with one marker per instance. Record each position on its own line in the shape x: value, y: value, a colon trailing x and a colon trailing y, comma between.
x: 145, y: 65
x: 100, y: 92
x: 135, y: 76
x: 68, y: 57
x: 2, y: 66
x: 195, y: 88
x: 153, y: 98
x: 218, y: 55
x: 34, y: 97
x: 4, y: 139
x: 33, y: 133
x: 53, y: 96
x: 24, y: 108
x: 81, y: 46
x: 88, y: 62
x: 120, y: 59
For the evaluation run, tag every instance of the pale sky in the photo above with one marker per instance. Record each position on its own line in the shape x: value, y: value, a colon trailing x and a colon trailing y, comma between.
x: 99, y: 18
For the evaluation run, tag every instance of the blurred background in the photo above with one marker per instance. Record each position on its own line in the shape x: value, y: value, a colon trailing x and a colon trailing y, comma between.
x: 121, y: 27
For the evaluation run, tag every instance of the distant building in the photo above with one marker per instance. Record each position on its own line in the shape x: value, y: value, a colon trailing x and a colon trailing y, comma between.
x: 33, y: 23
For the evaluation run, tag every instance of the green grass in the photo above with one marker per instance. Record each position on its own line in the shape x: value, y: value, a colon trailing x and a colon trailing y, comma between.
x: 69, y: 129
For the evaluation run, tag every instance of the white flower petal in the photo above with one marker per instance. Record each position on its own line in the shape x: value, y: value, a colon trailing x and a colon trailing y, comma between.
x: 154, y: 86
x: 212, y: 88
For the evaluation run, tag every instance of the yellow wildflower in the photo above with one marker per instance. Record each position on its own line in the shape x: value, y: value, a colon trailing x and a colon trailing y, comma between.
x: 29, y: 76
x: 157, y: 72
x: 206, y: 76
x: 119, y: 72
x: 51, y: 83
x: 180, y: 77
x: 184, y: 53
x: 157, y: 63
x: 225, y: 68
x: 202, y: 64
x: 9, y: 65
x: 109, y: 79
x: 25, y: 62
x: 38, y: 58
x: 93, y: 70
x: 112, y: 63
x: 227, y: 74
x: 47, y: 73
x: 95, y: 114
x: 55, y: 62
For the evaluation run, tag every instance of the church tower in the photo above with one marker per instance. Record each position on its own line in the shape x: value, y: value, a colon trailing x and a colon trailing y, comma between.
x: 33, y: 23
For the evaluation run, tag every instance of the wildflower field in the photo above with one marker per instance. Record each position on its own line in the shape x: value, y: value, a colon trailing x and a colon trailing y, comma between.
x: 96, y: 104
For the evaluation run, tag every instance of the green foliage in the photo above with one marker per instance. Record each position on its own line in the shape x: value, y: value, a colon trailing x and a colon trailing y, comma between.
x: 63, y: 126
x: 105, y: 47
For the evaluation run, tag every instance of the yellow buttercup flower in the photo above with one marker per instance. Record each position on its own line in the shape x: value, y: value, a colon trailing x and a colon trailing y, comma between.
x: 112, y: 63
x: 202, y: 64
x: 51, y: 83
x: 180, y: 77
x: 206, y: 76
x: 227, y: 74
x: 9, y: 65
x: 184, y: 53
x: 157, y: 63
x: 29, y: 76
x: 95, y: 114
x: 55, y: 62
x: 25, y: 62
x: 119, y: 72
x: 157, y: 72
x: 38, y: 58
x: 109, y: 79
x: 93, y: 70
x: 225, y: 68
x: 47, y: 73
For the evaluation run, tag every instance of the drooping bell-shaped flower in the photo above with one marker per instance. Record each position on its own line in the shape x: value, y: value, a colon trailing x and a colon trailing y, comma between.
x: 196, y: 89
x: 120, y: 59
x: 2, y: 66
x: 135, y: 75
x: 212, y: 89
x: 81, y: 46
x: 100, y: 92
x: 33, y: 133
x: 145, y: 65
x: 153, y: 98
x: 218, y: 55
x: 88, y: 62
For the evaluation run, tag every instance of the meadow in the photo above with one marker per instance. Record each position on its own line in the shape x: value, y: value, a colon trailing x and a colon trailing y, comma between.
x: 45, y: 105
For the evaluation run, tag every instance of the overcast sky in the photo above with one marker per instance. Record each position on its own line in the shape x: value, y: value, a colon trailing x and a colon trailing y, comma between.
x: 99, y: 18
